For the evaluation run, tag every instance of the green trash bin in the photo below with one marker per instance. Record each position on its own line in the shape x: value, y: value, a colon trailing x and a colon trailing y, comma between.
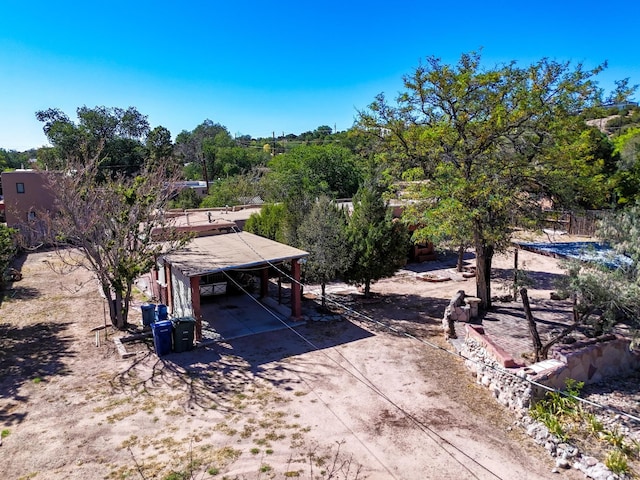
x: 183, y: 332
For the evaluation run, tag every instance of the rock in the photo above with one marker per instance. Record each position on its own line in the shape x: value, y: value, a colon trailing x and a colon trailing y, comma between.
x: 550, y: 447
x: 590, y: 461
x: 594, y: 469
x: 562, y: 463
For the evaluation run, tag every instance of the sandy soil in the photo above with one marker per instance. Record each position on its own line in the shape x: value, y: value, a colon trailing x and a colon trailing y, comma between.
x: 342, y: 400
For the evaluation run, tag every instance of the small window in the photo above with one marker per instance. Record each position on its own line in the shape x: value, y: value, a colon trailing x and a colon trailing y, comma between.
x: 20, y: 187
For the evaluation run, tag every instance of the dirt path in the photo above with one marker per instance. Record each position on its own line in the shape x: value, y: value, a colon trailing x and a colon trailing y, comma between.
x: 341, y: 400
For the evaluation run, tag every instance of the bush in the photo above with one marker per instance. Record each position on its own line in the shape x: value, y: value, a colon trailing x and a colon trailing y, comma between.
x: 8, y: 250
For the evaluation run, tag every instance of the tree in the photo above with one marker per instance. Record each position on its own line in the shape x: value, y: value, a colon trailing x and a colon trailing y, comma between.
x: 191, y: 147
x: 111, y: 136
x: 49, y: 159
x: 379, y: 244
x: 606, y: 292
x: 625, y: 180
x: 301, y: 175
x: 109, y: 223
x: 7, y: 250
x: 269, y: 223
x: 4, y: 163
x: 317, y: 169
x: 12, y: 159
x: 115, y: 227
x: 622, y: 93
x: 323, y: 235
x: 494, y: 141
x: 187, y: 198
x: 159, y: 146
x: 235, y: 190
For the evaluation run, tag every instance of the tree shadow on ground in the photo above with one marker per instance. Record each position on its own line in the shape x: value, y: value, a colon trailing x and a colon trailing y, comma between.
x: 13, y: 289
x: 444, y: 260
x: 29, y: 354
x: 401, y: 313
x: 212, y: 376
x: 18, y: 293
x: 541, y: 280
x: 215, y: 375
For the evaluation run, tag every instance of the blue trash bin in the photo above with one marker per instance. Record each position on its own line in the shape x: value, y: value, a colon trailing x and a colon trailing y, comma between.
x: 162, y: 336
x: 148, y: 314
x: 162, y: 312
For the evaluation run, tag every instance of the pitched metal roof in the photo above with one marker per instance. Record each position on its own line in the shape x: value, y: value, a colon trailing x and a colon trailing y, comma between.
x: 215, y: 253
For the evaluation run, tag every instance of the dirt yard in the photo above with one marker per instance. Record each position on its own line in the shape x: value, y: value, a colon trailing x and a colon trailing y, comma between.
x: 341, y: 400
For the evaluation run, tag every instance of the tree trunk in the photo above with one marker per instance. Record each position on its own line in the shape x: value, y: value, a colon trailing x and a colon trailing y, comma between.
x: 119, y: 321
x: 324, y: 302
x: 484, y: 257
x: 515, y: 275
x: 367, y: 288
x: 533, y: 328
x: 460, y: 264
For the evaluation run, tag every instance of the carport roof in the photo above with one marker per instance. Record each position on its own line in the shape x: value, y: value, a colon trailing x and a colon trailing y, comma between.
x: 215, y: 253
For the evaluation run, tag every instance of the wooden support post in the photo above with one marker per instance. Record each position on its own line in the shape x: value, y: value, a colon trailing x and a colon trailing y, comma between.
x: 264, y: 282
x: 296, y: 293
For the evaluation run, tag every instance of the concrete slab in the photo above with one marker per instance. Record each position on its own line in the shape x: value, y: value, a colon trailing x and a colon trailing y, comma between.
x: 228, y: 317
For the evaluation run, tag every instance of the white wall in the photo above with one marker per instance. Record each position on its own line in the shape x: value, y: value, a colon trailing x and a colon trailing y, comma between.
x: 181, y: 294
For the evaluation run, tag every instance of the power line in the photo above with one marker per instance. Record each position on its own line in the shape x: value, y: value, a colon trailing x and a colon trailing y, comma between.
x: 457, y: 354
x: 316, y: 348
x: 370, y: 385
x: 366, y: 382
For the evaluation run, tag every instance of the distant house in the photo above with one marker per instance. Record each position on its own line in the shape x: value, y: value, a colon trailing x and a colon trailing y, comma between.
x: 621, y: 105
x: 25, y: 193
x: 199, y: 186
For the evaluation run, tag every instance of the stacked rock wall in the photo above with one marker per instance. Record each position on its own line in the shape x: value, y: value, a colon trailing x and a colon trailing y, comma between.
x: 508, y: 385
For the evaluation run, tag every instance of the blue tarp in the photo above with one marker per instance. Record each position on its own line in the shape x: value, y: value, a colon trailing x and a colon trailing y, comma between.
x: 585, y: 251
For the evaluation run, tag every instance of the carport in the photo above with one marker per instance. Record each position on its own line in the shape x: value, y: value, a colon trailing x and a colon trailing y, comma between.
x: 215, y: 265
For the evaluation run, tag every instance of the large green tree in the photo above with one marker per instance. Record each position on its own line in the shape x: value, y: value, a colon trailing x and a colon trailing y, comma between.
x: 269, y: 223
x: 211, y: 150
x: 323, y: 235
x: 494, y: 141
x: 625, y: 182
x: 234, y: 190
x: 317, y: 169
x: 378, y: 243
x: 159, y: 147
x: 298, y: 177
x: 111, y: 136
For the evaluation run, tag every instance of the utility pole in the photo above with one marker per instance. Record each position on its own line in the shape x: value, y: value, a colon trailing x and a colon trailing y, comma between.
x: 273, y: 150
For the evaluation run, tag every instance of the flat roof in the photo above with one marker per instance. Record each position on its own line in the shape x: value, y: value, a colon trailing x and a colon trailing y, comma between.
x: 215, y: 253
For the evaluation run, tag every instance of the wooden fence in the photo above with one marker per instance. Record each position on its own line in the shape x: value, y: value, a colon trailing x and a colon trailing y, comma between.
x: 582, y: 223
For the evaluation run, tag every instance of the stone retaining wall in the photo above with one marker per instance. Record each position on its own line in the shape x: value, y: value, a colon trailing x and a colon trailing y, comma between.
x: 511, y: 391
x: 588, y: 361
x: 591, y: 361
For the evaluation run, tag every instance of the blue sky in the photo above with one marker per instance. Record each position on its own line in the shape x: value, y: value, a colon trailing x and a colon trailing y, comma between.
x: 263, y: 67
